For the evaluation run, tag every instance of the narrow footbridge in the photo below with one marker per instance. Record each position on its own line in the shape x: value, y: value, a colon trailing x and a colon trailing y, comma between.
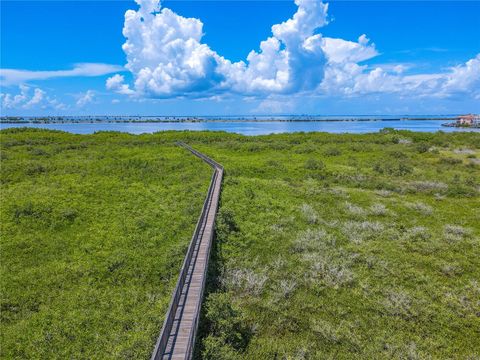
x: 177, y: 338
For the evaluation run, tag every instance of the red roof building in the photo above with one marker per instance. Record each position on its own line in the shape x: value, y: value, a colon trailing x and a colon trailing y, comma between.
x: 469, y: 119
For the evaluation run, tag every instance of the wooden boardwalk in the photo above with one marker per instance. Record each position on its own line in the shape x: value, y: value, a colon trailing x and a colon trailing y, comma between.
x: 177, y: 338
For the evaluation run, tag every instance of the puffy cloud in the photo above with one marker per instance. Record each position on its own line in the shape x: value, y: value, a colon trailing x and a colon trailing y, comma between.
x: 86, y: 98
x: 400, y: 68
x: 292, y: 59
x: 117, y: 83
x: 14, y: 76
x: 10, y: 101
x: 26, y: 100
x: 164, y: 52
x: 167, y: 58
x: 463, y: 78
x: 343, y: 51
x: 38, y: 96
x: 352, y: 79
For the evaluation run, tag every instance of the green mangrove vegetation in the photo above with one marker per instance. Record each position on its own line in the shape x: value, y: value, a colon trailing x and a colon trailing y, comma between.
x: 93, y: 235
x: 327, y: 246
x: 346, y: 247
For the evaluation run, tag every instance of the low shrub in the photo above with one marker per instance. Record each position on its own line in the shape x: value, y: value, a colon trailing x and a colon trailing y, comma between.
x: 395, y: 168
x: 286, y: 287
x: 354, y: 210
x: 450, y: 161
x: 311, y: 240
x: 38, y: 152
x: 332, y: 152
x: 427, y: 186
x: 314, y: 164
x: 228, y: 332
x: 421, y: 208
x: 35, y: 169
x: 417, y: 233
x: 422, y: 147
x: 309, y: 213
x: 399, y: 303
x: 378, y: 209
x: 359, y: 231
x: 244, y: 281
x: 225, y: 224
x: 454, y: 233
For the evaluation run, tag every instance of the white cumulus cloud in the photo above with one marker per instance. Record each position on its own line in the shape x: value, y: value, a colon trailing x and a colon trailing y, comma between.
x: 463, y: 79
x: 343, y: 51
x: 352, y: 79
x: 167, y: 58
x: 38, y: 96
x: 25, y: 99
x: 86, y: 98
x: 117, y: 83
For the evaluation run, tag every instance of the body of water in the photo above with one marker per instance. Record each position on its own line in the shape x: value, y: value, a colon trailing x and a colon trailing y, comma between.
x: 249, y: 127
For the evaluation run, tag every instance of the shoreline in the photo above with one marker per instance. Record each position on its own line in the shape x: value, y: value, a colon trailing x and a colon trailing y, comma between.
x: 213, y: 120
x: 455, y: 125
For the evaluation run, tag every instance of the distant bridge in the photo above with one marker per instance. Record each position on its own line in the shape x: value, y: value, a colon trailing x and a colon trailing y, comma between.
x: 177, y: 338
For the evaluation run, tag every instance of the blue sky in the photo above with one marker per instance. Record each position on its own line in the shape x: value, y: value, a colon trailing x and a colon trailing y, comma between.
x: 354, y: 57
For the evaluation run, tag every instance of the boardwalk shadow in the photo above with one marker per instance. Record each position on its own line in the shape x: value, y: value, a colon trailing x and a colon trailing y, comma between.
x: 218, y: 319
x: 212, y: 285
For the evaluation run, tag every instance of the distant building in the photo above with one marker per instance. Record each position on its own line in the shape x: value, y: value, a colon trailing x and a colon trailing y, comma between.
x: 469, y: 120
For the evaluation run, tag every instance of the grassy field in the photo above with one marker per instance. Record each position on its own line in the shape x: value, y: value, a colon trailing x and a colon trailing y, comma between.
x: 346, y: 247
x: 328, y: 246
x: 94, y: 230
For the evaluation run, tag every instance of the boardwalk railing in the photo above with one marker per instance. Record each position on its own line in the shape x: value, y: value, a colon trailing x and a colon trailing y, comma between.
x: 166, y: 341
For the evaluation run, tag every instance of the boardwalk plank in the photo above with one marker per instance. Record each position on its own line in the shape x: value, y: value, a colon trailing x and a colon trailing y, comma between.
x: 178, y: 333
